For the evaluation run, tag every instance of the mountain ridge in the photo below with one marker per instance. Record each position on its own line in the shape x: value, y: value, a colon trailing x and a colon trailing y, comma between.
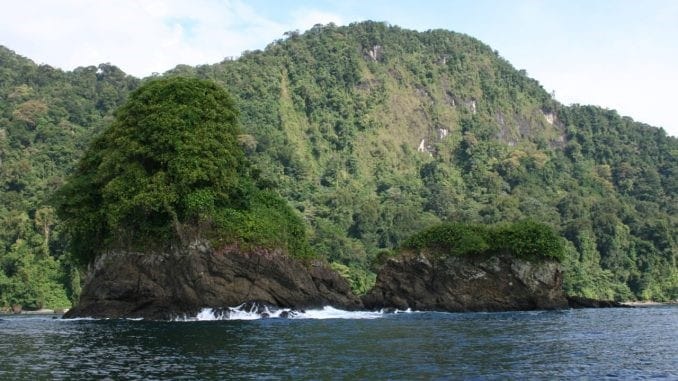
x: 373, y: 132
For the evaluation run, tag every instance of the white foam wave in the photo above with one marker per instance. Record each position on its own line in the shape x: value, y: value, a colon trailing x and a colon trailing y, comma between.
x: 333, y: 313
x: 254, y: 311
x: 240, y: 312
x: 88, y: 318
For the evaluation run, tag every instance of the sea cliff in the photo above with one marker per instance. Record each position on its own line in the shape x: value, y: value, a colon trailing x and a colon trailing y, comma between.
x: 160, y: 286
x: 179, y: 284
x: 466, y: 283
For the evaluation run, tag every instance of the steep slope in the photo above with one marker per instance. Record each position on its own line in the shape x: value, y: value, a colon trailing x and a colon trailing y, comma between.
x: 373, y: 133
x: 163, y: 286
x: 47, y: 118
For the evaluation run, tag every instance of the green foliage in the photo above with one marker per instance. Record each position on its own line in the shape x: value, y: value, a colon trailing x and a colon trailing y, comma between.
x: 528, y: 239
x: 168, y: 168
x: 268, y: 222
x: 30, y: 280
x: 47, y: 117
x: 360, y: 279
x: 452, y: 239
x: 334, y: 119
x: 524, y: 239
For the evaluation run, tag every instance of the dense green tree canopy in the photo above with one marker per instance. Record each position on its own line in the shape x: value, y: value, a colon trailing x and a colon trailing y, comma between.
x: 523, y: 239
x: 168, y: 169
x: 372, y: 133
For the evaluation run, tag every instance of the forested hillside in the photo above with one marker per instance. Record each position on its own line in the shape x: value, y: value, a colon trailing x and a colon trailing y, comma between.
x: 372, y: 133
x: 47, y: 119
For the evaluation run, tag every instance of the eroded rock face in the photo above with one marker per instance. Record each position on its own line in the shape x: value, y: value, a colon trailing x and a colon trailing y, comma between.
x: 499, y: 283
x: 166, y: 285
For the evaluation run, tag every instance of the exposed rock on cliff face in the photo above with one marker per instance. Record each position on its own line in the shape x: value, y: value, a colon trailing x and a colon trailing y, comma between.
x: 167, y: 285
x: 497, y: 283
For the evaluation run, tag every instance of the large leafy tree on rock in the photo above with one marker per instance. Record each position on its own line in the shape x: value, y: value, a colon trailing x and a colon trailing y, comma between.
x: 169, y: 170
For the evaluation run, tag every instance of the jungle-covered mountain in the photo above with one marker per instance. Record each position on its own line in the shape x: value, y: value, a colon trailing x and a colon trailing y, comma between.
x: 372, y: 133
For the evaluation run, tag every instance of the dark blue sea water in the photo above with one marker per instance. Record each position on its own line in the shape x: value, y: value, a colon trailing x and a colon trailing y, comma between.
x: 634, y: 343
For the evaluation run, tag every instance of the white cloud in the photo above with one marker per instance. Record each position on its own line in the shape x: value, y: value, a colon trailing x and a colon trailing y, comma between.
x: 305, y: 19
x: 622, y: 65
x: 141, y: 37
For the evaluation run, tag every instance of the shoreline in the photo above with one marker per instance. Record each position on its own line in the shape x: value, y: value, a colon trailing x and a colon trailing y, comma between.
x: 47, y: 311
x: 630, y: 304
x: 42, y: 311
x: 648, y: 303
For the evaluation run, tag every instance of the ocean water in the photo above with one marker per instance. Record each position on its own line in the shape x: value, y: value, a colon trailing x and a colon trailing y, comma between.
x: 619, y: 343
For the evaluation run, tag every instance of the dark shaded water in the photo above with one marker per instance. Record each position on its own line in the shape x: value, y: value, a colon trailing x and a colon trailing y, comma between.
x: 591, y: 343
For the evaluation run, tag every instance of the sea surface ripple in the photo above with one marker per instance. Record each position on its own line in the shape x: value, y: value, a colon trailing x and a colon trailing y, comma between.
x: 618, y: 343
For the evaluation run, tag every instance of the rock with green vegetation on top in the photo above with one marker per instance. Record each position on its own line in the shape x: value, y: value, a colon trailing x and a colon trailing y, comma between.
x: 161, y: 187
x: 471, y: 267
x: 372, y: 132
x: 179, y: 283
x: 169, y: 171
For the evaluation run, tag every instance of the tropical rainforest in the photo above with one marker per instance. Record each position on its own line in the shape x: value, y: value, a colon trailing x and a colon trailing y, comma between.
x: 168, y: 172
x: 372, y: 134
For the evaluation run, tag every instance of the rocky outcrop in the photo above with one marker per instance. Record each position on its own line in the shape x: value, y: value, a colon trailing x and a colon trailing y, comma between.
x: 167, y: 285
x: 497, y: 283
x: 582, y: 302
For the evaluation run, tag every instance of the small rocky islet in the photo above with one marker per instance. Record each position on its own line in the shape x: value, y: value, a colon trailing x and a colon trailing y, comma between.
x: 169, y: 223
x: 164, y: 286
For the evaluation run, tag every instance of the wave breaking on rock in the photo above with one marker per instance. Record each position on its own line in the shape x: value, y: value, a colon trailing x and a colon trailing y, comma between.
x: 256, y: 311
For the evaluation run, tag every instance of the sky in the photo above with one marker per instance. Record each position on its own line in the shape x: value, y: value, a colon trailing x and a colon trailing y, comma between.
x: 617, y: 54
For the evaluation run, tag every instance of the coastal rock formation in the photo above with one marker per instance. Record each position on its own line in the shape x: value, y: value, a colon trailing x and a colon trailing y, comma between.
x: 465, y: 283
x: 581, y: 302
x: 166, y: 285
